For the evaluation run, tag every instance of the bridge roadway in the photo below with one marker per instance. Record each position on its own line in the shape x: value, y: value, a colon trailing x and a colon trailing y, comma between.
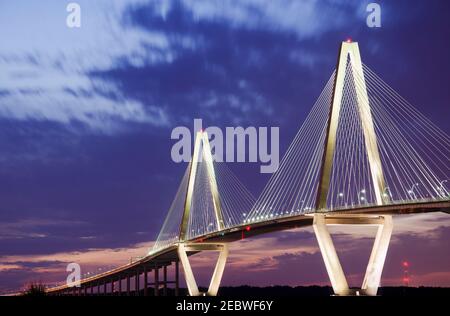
x: 165, y: 257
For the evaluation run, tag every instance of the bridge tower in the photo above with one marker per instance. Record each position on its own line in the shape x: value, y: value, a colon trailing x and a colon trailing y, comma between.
x: 349, y: 53
x: 202, y: 150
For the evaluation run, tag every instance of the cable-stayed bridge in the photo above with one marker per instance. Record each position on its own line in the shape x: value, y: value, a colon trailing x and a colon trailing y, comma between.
x: 362, y: 155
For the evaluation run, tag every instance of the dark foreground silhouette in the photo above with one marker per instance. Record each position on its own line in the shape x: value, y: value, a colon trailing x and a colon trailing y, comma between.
x: 327, y: 291
x: 276, y: 291
x: 305, y: 291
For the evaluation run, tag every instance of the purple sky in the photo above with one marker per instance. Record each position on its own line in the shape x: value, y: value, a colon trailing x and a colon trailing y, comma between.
x: 86, y: 116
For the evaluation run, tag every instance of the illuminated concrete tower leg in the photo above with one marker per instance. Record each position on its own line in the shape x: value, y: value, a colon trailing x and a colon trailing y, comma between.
x: 330, y: 257
x: 374, y: 269
x: 349, y: 52
x: 377, y: 257
x: 184, y: 247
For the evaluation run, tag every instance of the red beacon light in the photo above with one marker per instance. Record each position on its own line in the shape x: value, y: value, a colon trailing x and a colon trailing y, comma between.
x: 349, y: 40
x: 247, y: 228
x: 405, y: 264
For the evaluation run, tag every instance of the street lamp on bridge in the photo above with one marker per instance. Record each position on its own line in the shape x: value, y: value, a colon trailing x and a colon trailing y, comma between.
x: 387, y: 193
x: 362, y: 196
x: 411, y: 191
x: 442, y: 190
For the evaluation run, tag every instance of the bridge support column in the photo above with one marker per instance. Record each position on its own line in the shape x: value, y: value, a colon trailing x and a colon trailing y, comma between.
x: 145, y: 281
x: 156, y: 281
x: 377, y: 257
x: 128, y: 285
x: 165, y: 280
x: 184, y: 248
x: 136, y: 286
x: 177, y: 278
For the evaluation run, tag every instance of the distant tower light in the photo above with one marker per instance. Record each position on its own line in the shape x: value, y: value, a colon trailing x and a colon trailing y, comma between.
x: 406, y: 278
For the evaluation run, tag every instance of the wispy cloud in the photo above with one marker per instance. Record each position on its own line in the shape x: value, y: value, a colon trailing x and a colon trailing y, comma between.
x: 304, y: 18
x: 47, y: 82
x: 33, y: 227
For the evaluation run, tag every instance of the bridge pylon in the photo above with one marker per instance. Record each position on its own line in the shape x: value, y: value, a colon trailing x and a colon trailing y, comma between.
x: 202, y: 149
x: 349, y: 53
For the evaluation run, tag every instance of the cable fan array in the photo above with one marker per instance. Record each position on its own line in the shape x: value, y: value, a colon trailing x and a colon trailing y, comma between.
x: 235, y: 201
x: 414, y: 152
x: 292, y: 188
x: 170, y: 230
